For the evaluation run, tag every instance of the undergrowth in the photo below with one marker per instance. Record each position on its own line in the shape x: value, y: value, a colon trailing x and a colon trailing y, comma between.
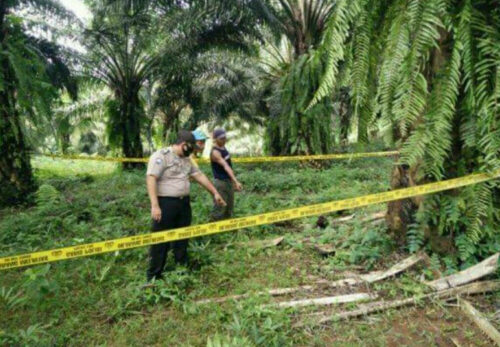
x: 100, y: 300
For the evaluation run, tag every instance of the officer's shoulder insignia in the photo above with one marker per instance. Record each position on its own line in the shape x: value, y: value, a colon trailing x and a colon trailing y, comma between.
x: 159, y: 161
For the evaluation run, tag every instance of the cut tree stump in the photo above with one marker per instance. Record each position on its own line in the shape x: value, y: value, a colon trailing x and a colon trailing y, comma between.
x: 446, y: 294
x: 483, y: 324
x: 468, y: 275
x: 329, y: 300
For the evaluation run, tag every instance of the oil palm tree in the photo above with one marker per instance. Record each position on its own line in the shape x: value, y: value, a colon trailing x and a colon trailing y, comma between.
x: 120, y: 42
x: 135, y: 44
x: 436, y: 88
x: 31, y: 70
x: 294, y: 77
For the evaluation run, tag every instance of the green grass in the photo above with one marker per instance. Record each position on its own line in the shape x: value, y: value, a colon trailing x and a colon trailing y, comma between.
x: 98, y: 300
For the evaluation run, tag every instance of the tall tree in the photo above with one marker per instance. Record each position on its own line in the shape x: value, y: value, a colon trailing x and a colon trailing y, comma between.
x: 31, y: 68
x: 295, y: 76
x: 438, y: 89
x: 71, y: 117
x: 228, y: 83
x: 211, y: 37
x: 121, y: 53
x: 135, y: 45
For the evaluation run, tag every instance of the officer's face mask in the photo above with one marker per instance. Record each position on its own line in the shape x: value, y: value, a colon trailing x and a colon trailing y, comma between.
x: 187, y: 149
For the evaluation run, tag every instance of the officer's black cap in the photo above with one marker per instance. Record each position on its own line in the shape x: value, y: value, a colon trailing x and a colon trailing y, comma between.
x: 185, y: 136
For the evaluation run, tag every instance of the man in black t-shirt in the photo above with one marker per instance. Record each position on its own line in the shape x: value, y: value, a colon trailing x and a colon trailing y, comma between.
x: 224, y: 178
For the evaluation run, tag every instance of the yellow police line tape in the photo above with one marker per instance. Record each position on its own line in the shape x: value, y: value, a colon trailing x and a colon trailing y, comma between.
x: 236, y: 223
x: 240, y: 159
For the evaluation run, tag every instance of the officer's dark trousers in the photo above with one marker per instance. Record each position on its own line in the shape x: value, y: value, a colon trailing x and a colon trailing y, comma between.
x: 175, y: 213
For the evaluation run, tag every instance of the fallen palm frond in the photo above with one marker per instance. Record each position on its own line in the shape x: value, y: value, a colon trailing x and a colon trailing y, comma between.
x: 329, y: 300
x: 468, y: 275
x: 367, y: 278
x: 447, y: 294
x: 483, y: 324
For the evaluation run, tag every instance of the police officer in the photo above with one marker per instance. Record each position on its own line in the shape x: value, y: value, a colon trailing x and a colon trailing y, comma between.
x: 167, y: 179
x: 225, y: 179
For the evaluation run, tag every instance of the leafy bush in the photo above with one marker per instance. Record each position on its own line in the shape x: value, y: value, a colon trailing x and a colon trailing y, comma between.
x: 260, y: 326
x: 47, y: 196
x: 10, y: 300
x: 37, y: 284
x: 34, y: 335
x: 102, y: 295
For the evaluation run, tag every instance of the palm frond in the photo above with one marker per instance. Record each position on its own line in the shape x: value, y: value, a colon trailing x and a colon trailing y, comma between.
x: 335, y: 36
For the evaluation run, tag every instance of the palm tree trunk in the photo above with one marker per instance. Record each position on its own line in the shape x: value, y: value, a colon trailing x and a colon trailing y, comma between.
x: 64, y: 142
x: 16, y: 177
x: 171, y: 123
x: 400, y: 214
x: 131, y: 128
x: 274, y: 139
x: 344, y: 123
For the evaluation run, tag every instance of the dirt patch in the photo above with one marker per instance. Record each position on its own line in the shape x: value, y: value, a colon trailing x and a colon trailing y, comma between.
x: 419, y: 326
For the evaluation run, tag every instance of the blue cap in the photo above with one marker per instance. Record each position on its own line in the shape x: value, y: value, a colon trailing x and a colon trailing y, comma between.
x: 199, y: 135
